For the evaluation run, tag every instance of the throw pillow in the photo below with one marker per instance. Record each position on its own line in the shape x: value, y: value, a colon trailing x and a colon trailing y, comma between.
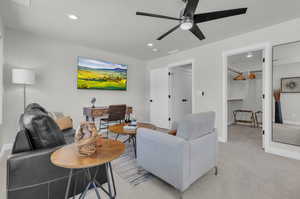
x: 173, y: 132
x: 42, y: 129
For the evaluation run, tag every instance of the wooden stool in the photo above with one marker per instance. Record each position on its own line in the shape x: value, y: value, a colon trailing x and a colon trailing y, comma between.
x: 250, y: 121
x: 258, y: 123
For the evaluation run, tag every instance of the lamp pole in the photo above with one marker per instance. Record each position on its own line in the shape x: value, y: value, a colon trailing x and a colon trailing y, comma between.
x: 24, y: 96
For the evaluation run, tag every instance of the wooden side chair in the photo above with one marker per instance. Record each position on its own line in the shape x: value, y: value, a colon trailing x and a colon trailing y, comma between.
x: 116, y: 113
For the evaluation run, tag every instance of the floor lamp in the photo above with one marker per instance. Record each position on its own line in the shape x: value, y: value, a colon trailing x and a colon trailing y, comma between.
x: 24, y: 77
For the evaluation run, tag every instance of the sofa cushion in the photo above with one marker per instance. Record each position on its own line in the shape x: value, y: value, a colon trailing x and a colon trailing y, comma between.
x: 173, y: 132
x: 64, y: 123
x: 194, y: 126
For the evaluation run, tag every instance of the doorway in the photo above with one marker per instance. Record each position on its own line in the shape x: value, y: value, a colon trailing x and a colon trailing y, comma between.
x: 180, y: 103
x: 267, y: 94
x: 245, y: 97
x: 171, y: 93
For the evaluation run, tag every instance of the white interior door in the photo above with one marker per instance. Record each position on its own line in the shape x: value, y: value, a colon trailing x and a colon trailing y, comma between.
x: 159, y: 101
x: 181, y: 93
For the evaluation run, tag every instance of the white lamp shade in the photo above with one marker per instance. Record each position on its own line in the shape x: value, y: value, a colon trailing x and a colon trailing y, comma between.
x: 23, y: 76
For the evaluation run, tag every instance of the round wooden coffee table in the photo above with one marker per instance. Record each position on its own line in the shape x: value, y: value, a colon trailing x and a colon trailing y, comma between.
x: 119, y: 130
x: 68, y: 157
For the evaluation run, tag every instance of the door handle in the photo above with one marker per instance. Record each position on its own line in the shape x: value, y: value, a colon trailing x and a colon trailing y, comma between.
x: 184, y: 100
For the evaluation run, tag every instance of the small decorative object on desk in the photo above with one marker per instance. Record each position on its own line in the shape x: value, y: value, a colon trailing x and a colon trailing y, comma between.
x: 86, y: 139
x: 131, y: 126
x: 93, y: 101
x: 128, y: 127
x: 133, y: 123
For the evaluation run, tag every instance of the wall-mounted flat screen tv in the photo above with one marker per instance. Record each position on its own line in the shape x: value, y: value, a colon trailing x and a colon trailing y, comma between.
x: 103, y: 75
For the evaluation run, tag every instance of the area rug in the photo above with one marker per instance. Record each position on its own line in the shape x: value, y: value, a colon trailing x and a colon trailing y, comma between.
x: 127, y: 168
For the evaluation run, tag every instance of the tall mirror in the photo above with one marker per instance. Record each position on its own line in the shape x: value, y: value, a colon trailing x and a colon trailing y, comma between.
x: 286, y: 93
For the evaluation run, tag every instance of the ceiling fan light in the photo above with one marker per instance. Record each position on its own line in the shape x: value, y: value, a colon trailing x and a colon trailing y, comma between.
x: 186, y: 24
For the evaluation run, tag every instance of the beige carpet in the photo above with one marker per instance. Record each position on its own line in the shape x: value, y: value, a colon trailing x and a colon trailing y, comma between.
x: 245, y: 172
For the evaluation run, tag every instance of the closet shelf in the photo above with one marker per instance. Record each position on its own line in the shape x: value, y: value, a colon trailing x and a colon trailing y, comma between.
x: 235, y: 99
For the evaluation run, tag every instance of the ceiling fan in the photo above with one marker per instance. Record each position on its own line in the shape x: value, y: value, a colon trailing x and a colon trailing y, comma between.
x: 188, y: 20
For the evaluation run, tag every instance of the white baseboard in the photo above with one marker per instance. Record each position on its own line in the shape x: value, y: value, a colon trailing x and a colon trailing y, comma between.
x: 5, y: 147
x: 284, y: 153
x: 230, y: 123
x: 221, y: 139
x: 291, y: 122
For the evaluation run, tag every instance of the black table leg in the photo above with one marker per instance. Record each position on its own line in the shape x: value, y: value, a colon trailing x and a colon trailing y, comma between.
x: 134, y: 144
x: 133, y: 139
x: 111, y: 192
x: 68, y: 184
x: 94, y: 184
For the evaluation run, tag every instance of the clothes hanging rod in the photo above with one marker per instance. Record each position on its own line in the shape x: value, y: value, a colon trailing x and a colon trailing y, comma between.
x: 240, y: 73
x: 235, y: 71
x: 255, y: 71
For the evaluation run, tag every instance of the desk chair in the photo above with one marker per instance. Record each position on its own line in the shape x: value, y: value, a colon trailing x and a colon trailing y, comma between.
x: 116, y: 113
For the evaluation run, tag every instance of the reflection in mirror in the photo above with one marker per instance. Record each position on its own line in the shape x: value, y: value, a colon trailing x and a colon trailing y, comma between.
x: 286, y: 93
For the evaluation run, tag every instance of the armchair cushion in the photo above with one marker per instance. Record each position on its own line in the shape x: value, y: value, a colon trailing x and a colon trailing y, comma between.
x: 163, y: 155
x: 194, y: 126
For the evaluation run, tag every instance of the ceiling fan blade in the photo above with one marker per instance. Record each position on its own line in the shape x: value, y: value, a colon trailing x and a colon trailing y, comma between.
x: 198, y: 18
x: 157, y: 16
x: 167, y: 33
x: 197, y: 32
x: 190, y: 8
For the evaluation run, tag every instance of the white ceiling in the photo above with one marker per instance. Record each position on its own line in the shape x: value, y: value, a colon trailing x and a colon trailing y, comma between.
x: 113, y: 26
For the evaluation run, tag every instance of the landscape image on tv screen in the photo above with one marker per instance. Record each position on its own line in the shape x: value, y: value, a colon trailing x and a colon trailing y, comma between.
x: 97, y: 74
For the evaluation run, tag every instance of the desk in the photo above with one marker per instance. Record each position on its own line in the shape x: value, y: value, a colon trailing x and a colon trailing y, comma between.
x: 92, y: 113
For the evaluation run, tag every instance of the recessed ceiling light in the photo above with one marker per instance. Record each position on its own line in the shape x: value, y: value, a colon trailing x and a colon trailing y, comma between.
x: 154, y: 49
x: 73, y: 17
x: 249, y: 55
x: 150, y: 44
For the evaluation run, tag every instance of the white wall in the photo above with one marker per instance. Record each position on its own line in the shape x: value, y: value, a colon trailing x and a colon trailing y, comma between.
x: 289, y: 101
x: 208, y: 63
x: 56, y: 65
x: 236, y: 95
x: 1, y: 68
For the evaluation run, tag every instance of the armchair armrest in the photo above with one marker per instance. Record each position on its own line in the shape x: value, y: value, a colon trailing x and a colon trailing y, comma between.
x: 31, y: 168
x: 163, y: 155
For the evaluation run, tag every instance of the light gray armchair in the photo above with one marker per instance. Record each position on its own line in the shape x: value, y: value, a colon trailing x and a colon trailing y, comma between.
x: 180, y: 160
